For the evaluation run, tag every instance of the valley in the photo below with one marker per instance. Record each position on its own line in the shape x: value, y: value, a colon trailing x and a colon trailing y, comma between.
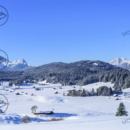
x: 74, y: 111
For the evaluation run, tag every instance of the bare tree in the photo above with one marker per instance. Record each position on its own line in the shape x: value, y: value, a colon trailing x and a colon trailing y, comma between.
x: 34, y: 109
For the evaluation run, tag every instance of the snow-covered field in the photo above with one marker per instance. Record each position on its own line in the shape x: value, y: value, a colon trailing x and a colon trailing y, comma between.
x: 79, y: 113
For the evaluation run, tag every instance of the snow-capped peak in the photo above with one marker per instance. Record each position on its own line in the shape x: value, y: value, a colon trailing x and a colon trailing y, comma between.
x: 121, y: 62
x: 17, y: 65
x: 21, y: 61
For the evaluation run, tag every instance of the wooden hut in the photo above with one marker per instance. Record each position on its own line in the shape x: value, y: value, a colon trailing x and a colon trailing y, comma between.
x: 116, y: 98
x: 55, y: 92
x: 17, y: 93
x: 44, y: 113
x: 37, y: 89
x: 124, y: 94
x: 59, y: 87
x: 115, y: 95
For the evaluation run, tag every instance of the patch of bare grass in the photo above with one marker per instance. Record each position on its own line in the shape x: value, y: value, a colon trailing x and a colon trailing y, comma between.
x: 55, y: 119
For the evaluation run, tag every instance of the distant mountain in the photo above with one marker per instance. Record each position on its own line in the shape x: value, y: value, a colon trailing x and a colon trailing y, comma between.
x: 16, y: 65
x: 121, y: 62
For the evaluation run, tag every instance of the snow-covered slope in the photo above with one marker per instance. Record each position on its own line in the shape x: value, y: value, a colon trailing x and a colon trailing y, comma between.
x: 121, y: 62
x: 16, y: 65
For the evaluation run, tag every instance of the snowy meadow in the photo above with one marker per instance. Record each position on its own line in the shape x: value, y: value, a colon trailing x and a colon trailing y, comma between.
x: 93, y: 112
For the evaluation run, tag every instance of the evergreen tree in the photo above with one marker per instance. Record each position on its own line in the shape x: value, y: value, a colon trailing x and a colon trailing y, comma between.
x: 92, y: 92
x: 83, y: 94
x: 121, y: 110
x: 63, y: 93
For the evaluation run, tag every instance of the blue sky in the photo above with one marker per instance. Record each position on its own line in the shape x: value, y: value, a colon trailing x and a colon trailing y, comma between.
x: 44, y: 31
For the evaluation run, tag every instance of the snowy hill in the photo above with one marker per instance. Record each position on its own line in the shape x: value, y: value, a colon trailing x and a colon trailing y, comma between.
x: 121, y: 62
x: 17, y: 65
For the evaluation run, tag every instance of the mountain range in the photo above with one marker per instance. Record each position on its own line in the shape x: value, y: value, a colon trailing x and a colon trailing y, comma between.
x: 121, y: 62
x: 21, y: 64
x: 18, y: 65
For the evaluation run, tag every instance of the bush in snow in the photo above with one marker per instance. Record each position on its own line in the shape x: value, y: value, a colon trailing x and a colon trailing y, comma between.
x: 26, y: 119
x: 121, y: 110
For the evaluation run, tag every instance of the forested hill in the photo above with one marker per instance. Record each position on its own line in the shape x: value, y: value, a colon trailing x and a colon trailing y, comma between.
x: 81, y: 73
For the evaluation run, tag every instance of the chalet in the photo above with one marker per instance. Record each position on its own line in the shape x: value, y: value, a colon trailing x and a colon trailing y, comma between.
x: 116, y: 98
x: 37, y: 89
x: 115, y: 95
x: 124, y: 94
x: 59, y: 87
x: 55, y: 92
x: 17, y: 93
